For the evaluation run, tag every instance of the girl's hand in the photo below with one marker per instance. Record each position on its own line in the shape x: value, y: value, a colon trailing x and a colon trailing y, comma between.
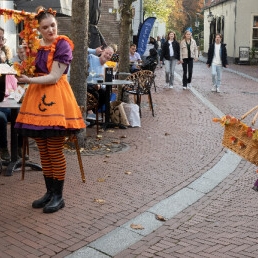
x: 23, y: 78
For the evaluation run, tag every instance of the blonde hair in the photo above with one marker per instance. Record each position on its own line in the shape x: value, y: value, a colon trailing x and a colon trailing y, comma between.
x: 185, y: 34
x: 114, y: 46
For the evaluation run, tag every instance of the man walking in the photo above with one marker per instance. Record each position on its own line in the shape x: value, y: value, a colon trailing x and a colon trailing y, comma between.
x: 217, y: 58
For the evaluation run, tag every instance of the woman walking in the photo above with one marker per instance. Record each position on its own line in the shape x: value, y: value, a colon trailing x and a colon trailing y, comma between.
x: 171, y: 53
x: 188, y: 54
x: 49, y: 111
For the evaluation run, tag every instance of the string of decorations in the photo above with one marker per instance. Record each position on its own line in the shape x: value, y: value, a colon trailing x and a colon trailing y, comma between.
x: 29, y: 34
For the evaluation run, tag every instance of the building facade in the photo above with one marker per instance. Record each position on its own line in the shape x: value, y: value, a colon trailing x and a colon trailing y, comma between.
x: 236, y: 20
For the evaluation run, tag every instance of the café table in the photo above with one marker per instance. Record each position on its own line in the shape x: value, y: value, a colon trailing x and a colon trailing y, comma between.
x: 15, y: 162
x: 108, y: 123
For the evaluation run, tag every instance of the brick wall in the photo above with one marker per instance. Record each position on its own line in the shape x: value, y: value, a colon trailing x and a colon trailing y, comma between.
x: 108, y: 25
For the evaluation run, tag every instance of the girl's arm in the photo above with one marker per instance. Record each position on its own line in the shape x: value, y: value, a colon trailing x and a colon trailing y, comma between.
x: 52, y: 78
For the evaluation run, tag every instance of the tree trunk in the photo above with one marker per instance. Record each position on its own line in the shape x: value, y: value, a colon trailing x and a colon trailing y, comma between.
x: 80, y: 14
x: 125, y: 40
x: 125, y: 34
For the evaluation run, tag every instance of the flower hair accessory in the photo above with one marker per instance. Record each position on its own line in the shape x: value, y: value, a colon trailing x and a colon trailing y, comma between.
x: 42, y: 11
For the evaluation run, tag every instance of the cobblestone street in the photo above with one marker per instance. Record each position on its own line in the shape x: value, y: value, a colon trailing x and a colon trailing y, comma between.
x: 162, y: 159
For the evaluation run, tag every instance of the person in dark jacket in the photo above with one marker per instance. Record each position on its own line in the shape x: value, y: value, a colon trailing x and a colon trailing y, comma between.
x: 217, y: 58
x: 154, y: 42
x: 151, y: 61
x: 170, y: 53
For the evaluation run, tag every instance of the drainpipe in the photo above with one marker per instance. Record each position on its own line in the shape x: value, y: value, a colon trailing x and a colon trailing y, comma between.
x: 141, y: 12
x: 235, y: 30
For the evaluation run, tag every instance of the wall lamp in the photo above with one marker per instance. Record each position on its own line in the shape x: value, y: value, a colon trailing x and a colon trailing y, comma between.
x: 210, y: 16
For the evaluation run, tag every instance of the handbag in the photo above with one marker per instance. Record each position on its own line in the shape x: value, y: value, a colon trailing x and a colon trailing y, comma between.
x: 133, y: 114
x: 117, y: 113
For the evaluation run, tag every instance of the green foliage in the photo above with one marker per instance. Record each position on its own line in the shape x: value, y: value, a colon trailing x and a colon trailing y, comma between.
x: 252, y: 52
x: 160, y: 8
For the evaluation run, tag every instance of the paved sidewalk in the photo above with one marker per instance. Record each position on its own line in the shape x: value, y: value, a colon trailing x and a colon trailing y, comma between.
x: 166, y: 155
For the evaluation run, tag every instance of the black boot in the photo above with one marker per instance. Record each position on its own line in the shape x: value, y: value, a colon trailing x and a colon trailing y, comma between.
x: 40, y: 203
x: 56, y: 203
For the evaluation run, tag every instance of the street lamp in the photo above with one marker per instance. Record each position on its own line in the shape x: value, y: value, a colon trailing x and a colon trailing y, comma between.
x: 197, y: 21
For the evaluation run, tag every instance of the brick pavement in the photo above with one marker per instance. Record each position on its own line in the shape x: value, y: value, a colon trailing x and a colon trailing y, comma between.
x: 167, y: 153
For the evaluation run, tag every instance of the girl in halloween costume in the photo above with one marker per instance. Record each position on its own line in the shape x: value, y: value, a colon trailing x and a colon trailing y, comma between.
x: 49, y: 111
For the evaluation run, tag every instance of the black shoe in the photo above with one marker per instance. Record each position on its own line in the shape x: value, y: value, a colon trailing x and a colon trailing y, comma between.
x: 41, y: 202
x: 56, y: 203
x: 20, y: 154
x: 5, y: 155
x: 255, y: 188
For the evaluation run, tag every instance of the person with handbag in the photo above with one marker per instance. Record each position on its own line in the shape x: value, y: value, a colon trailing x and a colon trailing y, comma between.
x: 170, y: 53
x: 188, y: 54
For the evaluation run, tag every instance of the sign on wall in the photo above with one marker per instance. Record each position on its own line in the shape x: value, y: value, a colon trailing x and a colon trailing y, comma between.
x: 244, y: 54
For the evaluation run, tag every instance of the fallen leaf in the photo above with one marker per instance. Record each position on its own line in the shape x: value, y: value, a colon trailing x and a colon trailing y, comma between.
x: 166, y: 134
x: 123, y: 136
x: 110, y: 131
x: 159, y: 217
x: 128, y: 172
x: 136, y: 226
x: 107, y: 156
x: 99, y: 136
x: 117, y: 142
x: 108, y: 149
x: 101, y: 180
x: 105, y: 160
x: 99, y: 201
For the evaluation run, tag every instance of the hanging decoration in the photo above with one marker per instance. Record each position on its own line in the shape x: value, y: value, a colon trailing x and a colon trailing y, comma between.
x: 30, y: 37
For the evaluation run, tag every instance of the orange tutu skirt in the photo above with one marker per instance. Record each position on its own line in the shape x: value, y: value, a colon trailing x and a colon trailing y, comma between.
x: 49, y: 110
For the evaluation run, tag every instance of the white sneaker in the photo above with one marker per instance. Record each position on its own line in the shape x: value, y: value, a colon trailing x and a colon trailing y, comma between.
x: 167, y: 85
x: 171, y: 86
x: 214, y: 88
x: 184, y: 87
x: 218, y: 90
x: 189, y: 85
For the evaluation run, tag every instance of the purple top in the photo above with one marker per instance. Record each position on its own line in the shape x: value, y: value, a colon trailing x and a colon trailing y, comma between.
x: 63, y: 54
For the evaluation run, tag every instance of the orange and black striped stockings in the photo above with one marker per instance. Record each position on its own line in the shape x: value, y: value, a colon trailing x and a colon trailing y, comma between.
x: 52, y: 157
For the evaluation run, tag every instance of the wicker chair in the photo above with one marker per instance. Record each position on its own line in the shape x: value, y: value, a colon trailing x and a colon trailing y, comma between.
x: 92, y: 104
x: 142, y: 82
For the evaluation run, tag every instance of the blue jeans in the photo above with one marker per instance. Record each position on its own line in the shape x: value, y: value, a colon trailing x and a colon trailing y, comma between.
x: 5, y: 117
x: 170, y: 66
x: 216, y: 74
x: 5, y: 114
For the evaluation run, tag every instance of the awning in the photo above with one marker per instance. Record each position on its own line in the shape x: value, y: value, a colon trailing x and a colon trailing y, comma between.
x: 62, y: 7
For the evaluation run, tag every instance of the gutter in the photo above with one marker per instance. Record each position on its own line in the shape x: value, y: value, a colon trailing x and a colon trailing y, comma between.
x: 214, y: 4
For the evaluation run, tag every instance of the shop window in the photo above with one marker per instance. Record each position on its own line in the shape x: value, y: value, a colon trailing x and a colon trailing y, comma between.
x: 255, y: 32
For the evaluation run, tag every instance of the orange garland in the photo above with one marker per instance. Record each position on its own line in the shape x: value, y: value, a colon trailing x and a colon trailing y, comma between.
x: 29, y: 35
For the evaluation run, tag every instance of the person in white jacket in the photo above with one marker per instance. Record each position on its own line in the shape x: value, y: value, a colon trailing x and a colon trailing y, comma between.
x: 188, y: 54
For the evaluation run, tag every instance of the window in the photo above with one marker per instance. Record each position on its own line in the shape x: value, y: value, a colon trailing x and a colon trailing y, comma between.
x: 255, y: 33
